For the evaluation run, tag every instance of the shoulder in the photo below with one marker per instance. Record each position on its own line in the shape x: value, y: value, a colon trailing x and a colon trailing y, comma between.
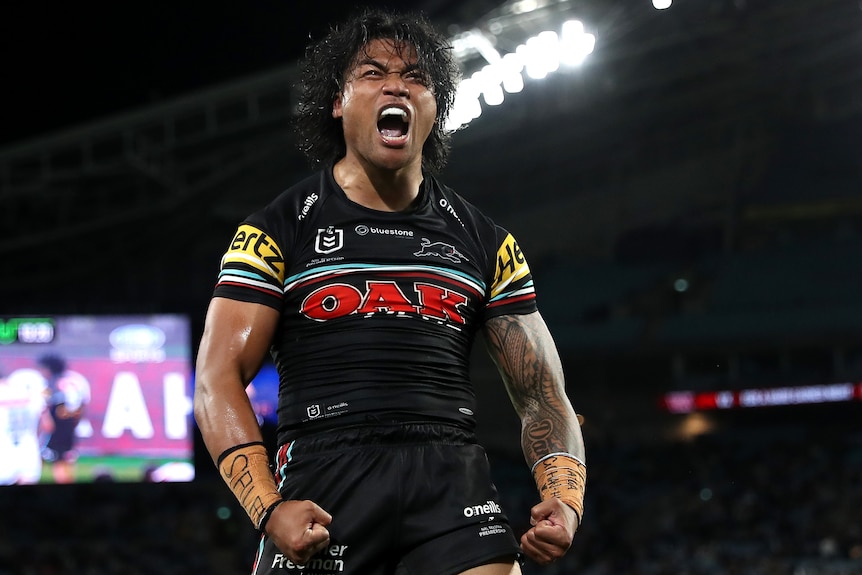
x: 457, y: 206
x: 294, y: 203
x: 280, y: 218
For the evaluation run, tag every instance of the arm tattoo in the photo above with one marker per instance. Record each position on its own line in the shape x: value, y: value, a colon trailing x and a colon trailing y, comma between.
x: 527, y: 359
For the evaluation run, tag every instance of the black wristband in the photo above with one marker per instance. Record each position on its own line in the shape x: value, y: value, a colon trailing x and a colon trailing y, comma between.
x: 230, y: 450
x: 267, y: 514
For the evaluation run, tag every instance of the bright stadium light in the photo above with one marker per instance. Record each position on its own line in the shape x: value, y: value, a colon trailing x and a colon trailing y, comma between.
x: 490, y: 78
x: 542, y: 54
x: 466, y: 107
x: 493, y: 95
x: 575, y: 44
x: 662, y: 4
x: 538, y: 57
x: 511, y: 67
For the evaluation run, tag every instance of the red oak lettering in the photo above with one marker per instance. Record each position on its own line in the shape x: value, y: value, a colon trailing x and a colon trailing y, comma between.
x: 332, y: 301
x: 384, y: 297
x: 439, y: 303
x: 338, y: 300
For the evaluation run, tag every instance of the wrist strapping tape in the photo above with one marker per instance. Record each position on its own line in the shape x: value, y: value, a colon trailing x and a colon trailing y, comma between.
x: 564, y: 476
x: 245, y: 469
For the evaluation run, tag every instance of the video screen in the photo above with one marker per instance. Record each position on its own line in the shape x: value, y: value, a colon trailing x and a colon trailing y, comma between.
x: 95, y: 398
x: 263, y: 393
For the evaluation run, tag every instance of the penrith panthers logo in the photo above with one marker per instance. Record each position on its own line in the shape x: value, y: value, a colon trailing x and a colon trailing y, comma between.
x: 440, y: 250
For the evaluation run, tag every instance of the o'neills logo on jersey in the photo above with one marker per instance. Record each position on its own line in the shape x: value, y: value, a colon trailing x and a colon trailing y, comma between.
x: 329, y: 240
x: 444, y: 203
x: 430, y: 302
x: 306, y: 205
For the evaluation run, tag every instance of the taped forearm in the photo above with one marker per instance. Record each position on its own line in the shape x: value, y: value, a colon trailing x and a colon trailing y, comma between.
x: 564, y: 476
x: 245, y: 469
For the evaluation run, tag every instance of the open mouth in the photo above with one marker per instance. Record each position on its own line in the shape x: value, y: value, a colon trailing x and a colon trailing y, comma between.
x: 393, y: 123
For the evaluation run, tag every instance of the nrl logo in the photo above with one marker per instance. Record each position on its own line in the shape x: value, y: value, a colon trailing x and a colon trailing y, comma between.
x: 440, y: 250
x: 328, y: 240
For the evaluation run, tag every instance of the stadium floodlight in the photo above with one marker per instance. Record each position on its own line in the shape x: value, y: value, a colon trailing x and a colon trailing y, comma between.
x: 542, y: 54
x: 490, y: 80
x: 466, y: 107
x: 538, y: 57
x: 575, y: 44
x: 662, y: 4
x: 511, y: 66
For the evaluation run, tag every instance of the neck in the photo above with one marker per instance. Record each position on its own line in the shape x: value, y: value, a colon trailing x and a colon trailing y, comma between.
x: 378, y: 189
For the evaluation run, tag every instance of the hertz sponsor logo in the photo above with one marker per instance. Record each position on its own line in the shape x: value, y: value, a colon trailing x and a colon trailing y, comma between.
x: 255, y: 248
x: 487, y: 508
x: 511, y: 265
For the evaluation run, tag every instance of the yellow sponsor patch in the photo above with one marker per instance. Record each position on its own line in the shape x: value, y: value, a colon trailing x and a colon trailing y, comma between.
x: 257, y: 249
x: 511, y: 265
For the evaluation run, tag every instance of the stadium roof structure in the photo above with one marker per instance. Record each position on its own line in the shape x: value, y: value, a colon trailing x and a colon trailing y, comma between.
x: 683, y: 113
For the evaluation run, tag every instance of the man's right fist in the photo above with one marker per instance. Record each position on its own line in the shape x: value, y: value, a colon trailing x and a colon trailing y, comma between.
x: 298, y: 529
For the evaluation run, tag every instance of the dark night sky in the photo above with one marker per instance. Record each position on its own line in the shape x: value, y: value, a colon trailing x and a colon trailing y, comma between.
x: 67, y: 63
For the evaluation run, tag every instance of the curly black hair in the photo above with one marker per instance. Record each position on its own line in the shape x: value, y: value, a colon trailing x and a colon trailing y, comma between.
x: 55, y: 364
x: 327, y: 61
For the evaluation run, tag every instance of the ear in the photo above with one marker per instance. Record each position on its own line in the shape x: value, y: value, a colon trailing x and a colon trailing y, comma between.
x: 337, y: 107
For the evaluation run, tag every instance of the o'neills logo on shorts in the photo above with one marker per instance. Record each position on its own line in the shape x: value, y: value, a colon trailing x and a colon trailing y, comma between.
x: 486, y: 509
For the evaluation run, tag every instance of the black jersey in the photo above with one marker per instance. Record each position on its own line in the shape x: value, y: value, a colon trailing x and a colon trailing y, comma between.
x: 378, y: 309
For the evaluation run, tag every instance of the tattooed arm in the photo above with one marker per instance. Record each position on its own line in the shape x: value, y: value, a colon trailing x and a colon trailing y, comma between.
x: 525, y: 354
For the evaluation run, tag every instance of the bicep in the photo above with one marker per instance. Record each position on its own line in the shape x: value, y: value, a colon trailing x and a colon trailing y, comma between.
x: 528, y: 361
x: 236, y: 339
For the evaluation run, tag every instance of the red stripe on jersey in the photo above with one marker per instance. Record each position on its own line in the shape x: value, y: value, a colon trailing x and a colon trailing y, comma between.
x: 511, y: 300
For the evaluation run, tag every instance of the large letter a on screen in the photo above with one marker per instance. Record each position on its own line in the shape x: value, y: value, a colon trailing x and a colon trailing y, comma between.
x: 127, y: 409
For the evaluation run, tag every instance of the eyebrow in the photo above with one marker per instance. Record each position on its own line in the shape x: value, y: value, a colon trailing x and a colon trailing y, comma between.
x: 379, y: 65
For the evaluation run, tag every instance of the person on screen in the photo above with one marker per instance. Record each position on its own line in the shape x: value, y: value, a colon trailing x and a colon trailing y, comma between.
x: 367, y: 282
x: 68, y: 395
x: 23, y: 418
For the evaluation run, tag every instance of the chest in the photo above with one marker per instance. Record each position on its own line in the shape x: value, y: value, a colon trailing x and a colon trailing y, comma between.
x: 360, y: 266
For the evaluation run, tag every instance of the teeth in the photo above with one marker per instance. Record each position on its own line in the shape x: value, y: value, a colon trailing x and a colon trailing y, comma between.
x: 393, y: 112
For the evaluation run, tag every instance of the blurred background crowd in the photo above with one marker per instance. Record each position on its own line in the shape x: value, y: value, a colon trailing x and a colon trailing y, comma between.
x: 768, y: 500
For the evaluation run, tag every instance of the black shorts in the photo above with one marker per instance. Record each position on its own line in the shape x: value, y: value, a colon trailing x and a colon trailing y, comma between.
x: 62, y: 440
x: 411, y: 499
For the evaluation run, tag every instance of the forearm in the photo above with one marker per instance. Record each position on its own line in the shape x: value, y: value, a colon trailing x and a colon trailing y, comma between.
x: 224, y: 416
x: 231, y: 433
x: 235, y: 340
x: 551, y: 436
x: 551, y: 427
x: 530, y: 366
x: 233, y: 346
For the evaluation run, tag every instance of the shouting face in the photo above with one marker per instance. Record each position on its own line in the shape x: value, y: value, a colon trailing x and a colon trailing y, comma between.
x: 387, y: 107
